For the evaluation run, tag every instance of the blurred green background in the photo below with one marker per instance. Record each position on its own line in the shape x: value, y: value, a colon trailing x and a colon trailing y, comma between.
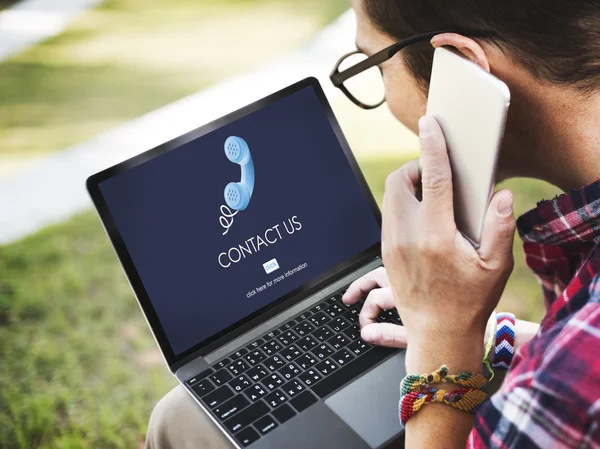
x: 78, y: 366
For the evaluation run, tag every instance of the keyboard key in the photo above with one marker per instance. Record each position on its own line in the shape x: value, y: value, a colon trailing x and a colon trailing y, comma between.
x: 342, y: 357
x: 303, y: 401
x: 339, y: 324
x: 255, y: 357
x: 275, y: 399
x: 257, y: 373
x: 338, y: 342
x: 322, y: 351
x: 255, y: 392
x: 289, y: 371
x: 203, y: 387
x: 246, y: 416
x: 238, y: 367
x: 306, y: 361
x: 319, y: 319
x: 331, y: 300
x: 319, y: 307
x: 353, y: 332
x: 265, y: 424
x: 359, y: 347
x: 352, y: 315
x: 326, y: 367
x: 271, y: 347
x: 231, y: 407
x: 255, y: 344
x: 222, y: 364
x: 199, y: 377
x: 221, y: 377
x: 344, y: 374
x: 290, y: 353
x: 323, y: 333
x: 287, y: 338
x: 304, y: 316
x: 307, y: 343
x: 218, y: 396
x: 239, y: 353
x: 304, y: 328
x: 283, y: 413
x: 247, y: 436
x: 310, y: 377
x: 293, y: 388
x: 273, y: 381
x: 275, y: 362
x: 240, y: 383
x: 288, y: 325
x: 271, y: 335
x: 334, y: 310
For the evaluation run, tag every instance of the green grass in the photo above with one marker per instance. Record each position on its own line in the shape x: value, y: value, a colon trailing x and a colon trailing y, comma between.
x: 129, y: 57
x: 78, y: 366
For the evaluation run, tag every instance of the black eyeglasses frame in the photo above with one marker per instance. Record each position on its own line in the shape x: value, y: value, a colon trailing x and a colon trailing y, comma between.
x: 338, y: 78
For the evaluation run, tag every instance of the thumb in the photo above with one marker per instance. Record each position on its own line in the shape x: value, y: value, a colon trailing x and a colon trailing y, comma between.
x: 498, y: 229
x: 384, y: 334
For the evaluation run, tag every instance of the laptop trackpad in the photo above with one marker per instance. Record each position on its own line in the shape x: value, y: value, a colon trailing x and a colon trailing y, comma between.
x: 369, y: 405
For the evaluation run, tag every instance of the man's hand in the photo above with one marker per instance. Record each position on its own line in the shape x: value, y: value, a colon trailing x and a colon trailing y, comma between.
x: 444, y: 289
x: 374, y: 286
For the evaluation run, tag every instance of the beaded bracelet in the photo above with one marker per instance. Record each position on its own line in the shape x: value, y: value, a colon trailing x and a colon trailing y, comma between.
x: 464, y: 399
x: 415, y: 382
x: 505, y: 341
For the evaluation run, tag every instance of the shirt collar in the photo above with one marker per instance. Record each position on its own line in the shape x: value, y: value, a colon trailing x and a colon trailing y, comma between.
x: 572, y: 217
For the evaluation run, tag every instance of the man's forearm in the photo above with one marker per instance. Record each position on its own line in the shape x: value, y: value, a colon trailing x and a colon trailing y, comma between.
x: 440, y: 425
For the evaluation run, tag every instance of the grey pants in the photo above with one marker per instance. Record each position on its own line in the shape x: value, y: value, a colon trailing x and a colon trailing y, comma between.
x: 177, y: 422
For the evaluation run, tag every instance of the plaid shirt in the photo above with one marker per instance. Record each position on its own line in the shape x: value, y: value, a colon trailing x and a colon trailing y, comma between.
x: 550, y: 397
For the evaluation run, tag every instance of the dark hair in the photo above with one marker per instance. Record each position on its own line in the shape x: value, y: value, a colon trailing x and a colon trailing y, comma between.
x: 556, y: 40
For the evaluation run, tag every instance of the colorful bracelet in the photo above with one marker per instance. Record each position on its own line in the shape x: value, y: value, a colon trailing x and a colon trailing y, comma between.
x: 464, y: 399
x: 417, y: 382
x: 505, y: 341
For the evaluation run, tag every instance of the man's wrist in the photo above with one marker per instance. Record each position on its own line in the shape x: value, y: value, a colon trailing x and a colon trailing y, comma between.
x: 459, y: 353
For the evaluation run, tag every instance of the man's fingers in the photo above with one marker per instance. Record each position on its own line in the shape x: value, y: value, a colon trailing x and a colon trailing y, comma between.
x: 360, y: 288
x: 498, y: 229
x: 378, y: 300
x: 436, y: 176
x: 384, y: 334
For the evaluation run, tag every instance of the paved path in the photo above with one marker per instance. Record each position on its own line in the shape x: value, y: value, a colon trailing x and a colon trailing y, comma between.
x: 31, y: 21
x: 53, y: 190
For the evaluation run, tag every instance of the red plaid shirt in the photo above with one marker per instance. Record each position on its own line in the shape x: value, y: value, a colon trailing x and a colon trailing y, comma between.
x: 550, y: 397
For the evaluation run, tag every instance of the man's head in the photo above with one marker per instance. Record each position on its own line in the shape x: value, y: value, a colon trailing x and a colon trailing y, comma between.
x: 540, y: 46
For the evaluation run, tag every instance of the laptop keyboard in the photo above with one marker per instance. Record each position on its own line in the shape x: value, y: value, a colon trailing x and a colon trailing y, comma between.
x: 261, y: 386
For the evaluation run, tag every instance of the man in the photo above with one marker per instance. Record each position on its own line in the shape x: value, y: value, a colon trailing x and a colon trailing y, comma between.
x: 548, y: 53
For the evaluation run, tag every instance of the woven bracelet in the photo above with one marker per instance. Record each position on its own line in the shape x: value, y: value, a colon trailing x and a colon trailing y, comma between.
x: 464, y: 399
x: 416, y: 382
x: 505, y: 341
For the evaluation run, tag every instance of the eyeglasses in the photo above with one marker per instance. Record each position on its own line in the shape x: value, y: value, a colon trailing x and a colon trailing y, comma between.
x: 360, y: 78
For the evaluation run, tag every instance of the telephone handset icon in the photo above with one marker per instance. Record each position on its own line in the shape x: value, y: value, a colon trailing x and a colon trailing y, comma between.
x: 238, y: 194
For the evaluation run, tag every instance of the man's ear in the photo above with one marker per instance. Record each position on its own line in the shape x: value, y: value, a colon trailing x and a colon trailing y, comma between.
x: 465, y: 45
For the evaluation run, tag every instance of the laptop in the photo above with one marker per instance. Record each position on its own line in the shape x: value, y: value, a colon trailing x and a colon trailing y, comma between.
x: 239, y: 239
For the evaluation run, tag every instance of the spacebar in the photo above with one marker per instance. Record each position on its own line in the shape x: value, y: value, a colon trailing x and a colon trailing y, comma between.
x: 351, y: 370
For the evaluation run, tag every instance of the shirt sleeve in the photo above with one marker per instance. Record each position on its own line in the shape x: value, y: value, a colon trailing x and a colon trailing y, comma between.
x: 551, y: 394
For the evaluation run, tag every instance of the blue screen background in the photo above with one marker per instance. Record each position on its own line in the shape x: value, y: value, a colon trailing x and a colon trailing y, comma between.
x: 167, y: 211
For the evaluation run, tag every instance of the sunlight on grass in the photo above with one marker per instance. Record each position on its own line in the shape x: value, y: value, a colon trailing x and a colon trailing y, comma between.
x: 129, y: 57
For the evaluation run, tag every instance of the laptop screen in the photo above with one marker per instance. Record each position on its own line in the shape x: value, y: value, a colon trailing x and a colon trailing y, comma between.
x: 210, y: 253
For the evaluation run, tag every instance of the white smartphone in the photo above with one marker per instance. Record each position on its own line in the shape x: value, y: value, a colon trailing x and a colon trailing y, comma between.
x: 471, y: 106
